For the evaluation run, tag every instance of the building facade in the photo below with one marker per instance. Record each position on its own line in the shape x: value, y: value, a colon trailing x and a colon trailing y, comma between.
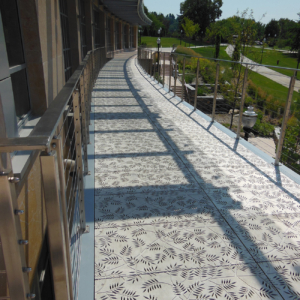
x: 42, y: 44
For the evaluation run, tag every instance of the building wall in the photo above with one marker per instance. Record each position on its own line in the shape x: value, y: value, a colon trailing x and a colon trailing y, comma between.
x: 41, y: 27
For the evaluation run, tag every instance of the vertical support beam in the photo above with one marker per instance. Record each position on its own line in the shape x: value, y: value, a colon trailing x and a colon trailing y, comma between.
x: 84, y: 121
x: 242, y: 103
x: 170, y: 73
x: 164, y: 71
x: 215, y: 93
x: 50, y: 177
x: 61, y: 174
x: 11, y: 234
x: 285, y: 119
x: 150, y: 62
x: 153, y: 64
x: 79, y: 169
x: 183, y: 80
x: 197, y: 83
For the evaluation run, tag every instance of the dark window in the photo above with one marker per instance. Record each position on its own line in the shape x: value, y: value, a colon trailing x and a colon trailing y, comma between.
x: 108, y: 33
x: 20, y: 90
x: 15, y: 55
x: 97, y: 32
x: 82, y: 28
x: 116, y: 35
x: 65, y: 37
x: 12, y: 33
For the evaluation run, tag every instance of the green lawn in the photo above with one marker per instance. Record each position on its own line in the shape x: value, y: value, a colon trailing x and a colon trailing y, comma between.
x: 165, y: 41
x: 271, y: 87
x: 209, y: 52
x: 270, y: 57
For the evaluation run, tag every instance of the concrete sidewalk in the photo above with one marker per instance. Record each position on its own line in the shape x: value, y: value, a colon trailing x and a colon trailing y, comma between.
x: 269, y: 73
x: 182, y: 209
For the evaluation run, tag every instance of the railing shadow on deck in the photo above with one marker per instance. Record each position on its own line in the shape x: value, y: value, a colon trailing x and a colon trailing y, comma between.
x: 206, y: 205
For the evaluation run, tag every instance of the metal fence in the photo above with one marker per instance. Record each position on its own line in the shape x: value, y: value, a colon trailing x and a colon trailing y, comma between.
x: 60, y: 141
x: 224, y: 89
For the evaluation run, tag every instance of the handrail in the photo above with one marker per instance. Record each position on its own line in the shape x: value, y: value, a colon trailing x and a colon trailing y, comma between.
x: 41, y: 136
x: 287, y: 146
x: 229, y: 61
x: 64, y: 131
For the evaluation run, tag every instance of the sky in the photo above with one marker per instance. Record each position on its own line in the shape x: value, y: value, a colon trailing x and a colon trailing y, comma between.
x: 273, y: 9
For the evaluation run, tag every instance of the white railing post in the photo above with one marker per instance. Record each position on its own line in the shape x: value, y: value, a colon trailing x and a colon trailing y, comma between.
x: 242, y: 104
x: 285, y: 119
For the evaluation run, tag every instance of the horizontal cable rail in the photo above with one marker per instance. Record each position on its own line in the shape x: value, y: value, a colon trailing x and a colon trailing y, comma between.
x: 224, y: 89
x: 61, y: 138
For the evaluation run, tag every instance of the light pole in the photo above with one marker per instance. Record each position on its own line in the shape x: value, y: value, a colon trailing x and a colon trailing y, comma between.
x: 158, y: 44
x: 180, y: 36
x: 262, y: 50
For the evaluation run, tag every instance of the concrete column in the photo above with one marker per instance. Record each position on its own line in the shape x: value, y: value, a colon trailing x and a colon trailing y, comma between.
x: 102, y: 29
x: 120, y: 35
x: 112, y: 34
x: 128, y: 36
x: 33, y: 55
x: 135, y: 36
x: 51, y: 46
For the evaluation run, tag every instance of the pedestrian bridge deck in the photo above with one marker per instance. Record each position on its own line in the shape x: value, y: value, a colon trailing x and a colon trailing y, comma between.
x: 183, y: 210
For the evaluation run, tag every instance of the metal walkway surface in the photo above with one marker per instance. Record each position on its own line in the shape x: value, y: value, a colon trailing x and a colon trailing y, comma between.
x: 183, y: 210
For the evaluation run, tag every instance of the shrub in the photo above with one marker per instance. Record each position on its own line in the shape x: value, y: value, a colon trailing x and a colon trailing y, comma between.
x: 189, y: 78
x: 187, y: 51
x: 264, y: 129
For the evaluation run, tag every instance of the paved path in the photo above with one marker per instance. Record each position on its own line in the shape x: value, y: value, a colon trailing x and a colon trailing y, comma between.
x: 269, y: 73
x: 182, y: 211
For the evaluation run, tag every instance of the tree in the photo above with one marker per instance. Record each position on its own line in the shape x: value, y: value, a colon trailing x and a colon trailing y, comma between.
x: 202, y: 12
x: 295, y: 45
x: 217, y: 45
x: 190, y: 29
x: 272, y: 28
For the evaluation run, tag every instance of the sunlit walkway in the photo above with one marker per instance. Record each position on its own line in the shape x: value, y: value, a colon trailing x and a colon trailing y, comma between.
x: 182, y: 210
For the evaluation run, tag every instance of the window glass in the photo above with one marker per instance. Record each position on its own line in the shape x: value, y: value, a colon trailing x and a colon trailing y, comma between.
x: 21, y: 95
x: 12, y: 33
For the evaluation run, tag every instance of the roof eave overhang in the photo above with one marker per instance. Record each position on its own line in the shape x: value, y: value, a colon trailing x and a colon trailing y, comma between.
x: 131, y: 11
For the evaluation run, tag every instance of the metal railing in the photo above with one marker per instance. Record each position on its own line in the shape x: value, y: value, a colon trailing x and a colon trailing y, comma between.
x: 223, y: 89
x: 59, y: 141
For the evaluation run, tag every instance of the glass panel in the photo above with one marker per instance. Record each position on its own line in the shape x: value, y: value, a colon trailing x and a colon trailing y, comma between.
x: 97, y: 32
x: 12, y: 33
x: 82, y: 28
x: 65, y: 37
x: 21, y: 95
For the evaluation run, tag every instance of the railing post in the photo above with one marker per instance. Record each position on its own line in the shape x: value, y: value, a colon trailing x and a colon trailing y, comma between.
x: 11, y: 236
x: 285, y: 119
x: 215, y: 93
x: 164, y: 70
x: 242, y: 103
x: 196, y: 87
x: 148, y: 59
x: 64, y: 209
x: 152, y: 64
x: 170, y: 73
x: 175, y: 76
x: 51, y: 187
x: 85, y: 131
x: 77, y: 128
x: 183, y: 79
